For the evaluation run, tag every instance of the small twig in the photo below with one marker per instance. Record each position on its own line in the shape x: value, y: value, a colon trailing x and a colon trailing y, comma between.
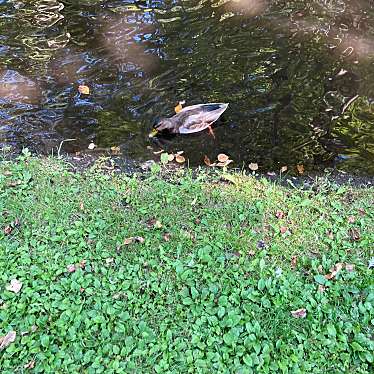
x: 349, y: 102
x: 60, y: 146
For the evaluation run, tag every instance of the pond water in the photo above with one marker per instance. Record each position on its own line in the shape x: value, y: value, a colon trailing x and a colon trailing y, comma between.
x: 299, y: 77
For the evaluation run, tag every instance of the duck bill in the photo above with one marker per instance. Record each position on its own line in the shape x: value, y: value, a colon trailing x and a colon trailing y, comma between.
x: 153, y: 133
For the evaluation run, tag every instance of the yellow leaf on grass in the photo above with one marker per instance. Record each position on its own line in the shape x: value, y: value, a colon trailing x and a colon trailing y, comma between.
x: 84, y: 90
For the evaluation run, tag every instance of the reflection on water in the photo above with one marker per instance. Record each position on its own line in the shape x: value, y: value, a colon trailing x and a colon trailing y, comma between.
x: 298, y: 76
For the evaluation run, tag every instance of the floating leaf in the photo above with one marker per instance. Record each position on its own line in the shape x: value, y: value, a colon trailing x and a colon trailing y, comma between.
x: 91, y: 146
x: 253, y: 166
x: 180, y: 159
x: 14, y: 286
x: 222, y: 157
x: 299, y: 313
x: 283, y: 169
x: 6, y: 340
x: 85, y: 90
x: 300, y: 168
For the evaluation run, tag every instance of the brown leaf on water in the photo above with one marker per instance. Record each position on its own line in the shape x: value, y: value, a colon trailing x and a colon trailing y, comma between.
x: 253, y: 166
x: 207, y: 161
x: 299, y: 313
x: 283, y: 229
x: 83, y: 89
x: 351, y: 219
x: 30, y: 365
x: 166, y: 236
x: 8, y: 339
x: 222, y: 157
x: 279, y: 214
x: 283, y: 169
x: 180, y: 159
x: 14, y: 286
x: 354, y: 234
x: 128, y: 241
x: 293, y: 262
x: 300, y: 168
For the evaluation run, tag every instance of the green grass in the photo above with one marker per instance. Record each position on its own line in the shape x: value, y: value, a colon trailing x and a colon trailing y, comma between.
x: 213, y: 295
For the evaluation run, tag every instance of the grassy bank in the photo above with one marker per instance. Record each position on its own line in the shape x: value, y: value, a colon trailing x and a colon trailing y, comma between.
x: 198, y: 275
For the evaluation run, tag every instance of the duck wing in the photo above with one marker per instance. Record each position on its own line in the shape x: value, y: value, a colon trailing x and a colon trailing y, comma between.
x: 196, y: 118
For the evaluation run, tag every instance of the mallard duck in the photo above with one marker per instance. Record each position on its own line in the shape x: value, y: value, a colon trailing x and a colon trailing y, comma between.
x: 190, y: 119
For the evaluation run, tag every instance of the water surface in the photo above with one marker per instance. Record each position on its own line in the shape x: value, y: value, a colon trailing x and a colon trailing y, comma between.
x: 298, y: 76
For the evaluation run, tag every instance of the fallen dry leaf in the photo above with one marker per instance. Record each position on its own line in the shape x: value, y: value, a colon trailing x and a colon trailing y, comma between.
x: 362, y: 211
x: 354, y: 234
x: 82, y: 264
x: 85, y: 90
x: 30, y: 365
x: 139, y: 239
x: 299, y: 313
x: 6, y: 340
x: 71, y: 268
x: 283, y: 229
x: 91, y: 146
x: 253, y: 166
x: 8, y: 230
x: 300, y: 168
x: 349, y: 267
x: 14, y: 286
x: 279, y: 214
x: 81, y: 205
x: 158, y: 225
x: 329, y: 234
x: 166, y: 236
x: 251, y: 253
x: 283, y: 169
x: 321, y: 288
x: 293, y: 262
x: 334, y: 270
x: 180, y: 159
x: 128, y: 241
x: 207, y: 161
x: 351, y: 219
x: 222, y: 157
x: 14, y: 183
x: 170, y: 157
